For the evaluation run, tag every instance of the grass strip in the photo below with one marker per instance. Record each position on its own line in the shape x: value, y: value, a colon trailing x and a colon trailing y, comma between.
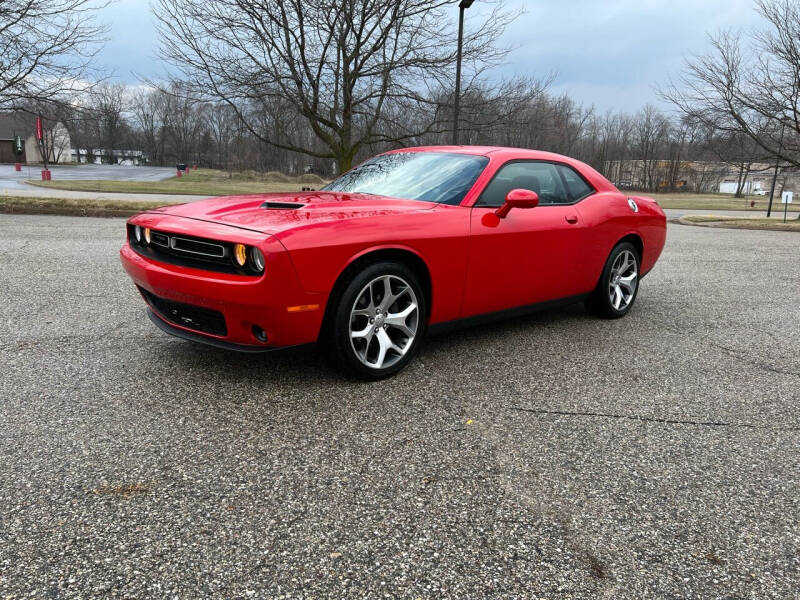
x: 78, y: 207
x: 203, y: 182
x: 762, y: 224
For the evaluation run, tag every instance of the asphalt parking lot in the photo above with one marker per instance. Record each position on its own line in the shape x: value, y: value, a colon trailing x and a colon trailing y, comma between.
x: 11, y: 180
x: 555, y: 456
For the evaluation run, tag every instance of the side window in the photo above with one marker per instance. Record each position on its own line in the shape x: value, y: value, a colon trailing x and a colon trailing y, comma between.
x: 577, y: 188
x: 540, y: 177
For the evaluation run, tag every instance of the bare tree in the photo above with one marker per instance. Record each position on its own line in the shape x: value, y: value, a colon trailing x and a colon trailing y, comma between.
x: 750, y: 84
x: 651, y: 131
x: 47, y: 48
x: 225, y: 129
x: 183, y: 123
x: 109, y: 105
x: 647, y: 150
x: 148, y: 115
x: 343, y: 65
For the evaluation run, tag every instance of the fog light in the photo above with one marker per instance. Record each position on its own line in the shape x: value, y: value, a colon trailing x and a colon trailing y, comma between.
x: 259, y: 334
x: 138, y: 233
x: 258, y: 259
x: 240, y: 254
x: 146, y: 235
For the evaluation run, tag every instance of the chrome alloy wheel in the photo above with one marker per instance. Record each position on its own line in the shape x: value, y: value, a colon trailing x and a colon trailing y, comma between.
x: 623, y: 281
x: 384, y: 321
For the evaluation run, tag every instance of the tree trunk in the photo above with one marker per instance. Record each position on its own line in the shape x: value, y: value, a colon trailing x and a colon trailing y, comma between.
x: 744, y: 172
x: 738, y: 193
x: 344, y: 161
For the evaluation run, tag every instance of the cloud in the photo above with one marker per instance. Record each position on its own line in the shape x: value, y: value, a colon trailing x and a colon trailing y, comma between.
x: 132, y: 48
x: 610, y: 53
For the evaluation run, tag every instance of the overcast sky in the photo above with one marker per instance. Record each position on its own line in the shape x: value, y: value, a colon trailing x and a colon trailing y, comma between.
x: 610, y: 53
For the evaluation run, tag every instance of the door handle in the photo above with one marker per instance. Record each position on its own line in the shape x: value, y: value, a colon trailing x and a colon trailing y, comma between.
x: 573, y: 218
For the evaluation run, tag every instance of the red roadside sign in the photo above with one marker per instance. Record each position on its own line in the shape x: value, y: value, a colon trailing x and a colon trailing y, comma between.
x: 39, y: 135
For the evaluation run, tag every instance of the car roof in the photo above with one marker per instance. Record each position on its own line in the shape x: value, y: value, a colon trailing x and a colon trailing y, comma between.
x: 503, y: 154
x: 486, y: 151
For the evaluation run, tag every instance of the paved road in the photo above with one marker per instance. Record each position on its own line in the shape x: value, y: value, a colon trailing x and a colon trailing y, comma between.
x: 654, y: 456
x: 13, y: 180
x: 673, y: 213
x: 13, y: 183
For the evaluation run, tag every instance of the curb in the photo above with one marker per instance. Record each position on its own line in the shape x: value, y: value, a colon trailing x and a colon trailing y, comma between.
x: 66, y: 211
x: 722, y: 225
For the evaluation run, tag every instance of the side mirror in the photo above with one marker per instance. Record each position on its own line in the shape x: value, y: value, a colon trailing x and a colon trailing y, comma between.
x: 518, y: 198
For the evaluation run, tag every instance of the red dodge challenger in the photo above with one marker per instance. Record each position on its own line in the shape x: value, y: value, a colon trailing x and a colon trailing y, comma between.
x: 407, y: 242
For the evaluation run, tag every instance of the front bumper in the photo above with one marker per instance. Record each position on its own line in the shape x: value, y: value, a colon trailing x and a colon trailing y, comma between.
x: 264, y: 302
x: 208, y: 340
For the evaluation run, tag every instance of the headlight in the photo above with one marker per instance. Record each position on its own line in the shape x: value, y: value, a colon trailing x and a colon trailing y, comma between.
x: 240, y: 254
x: 258, y: 259
x: 138, y: 233
x: 146, y: 235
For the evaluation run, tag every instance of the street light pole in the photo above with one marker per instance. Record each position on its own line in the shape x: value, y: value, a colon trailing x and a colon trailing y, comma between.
x: 462, y: 6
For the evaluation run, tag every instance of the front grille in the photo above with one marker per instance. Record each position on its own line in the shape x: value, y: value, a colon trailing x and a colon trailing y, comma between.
x: 207, y: 249
x: 193, y: 317
x: 160, y: 239
x: 188, y: 251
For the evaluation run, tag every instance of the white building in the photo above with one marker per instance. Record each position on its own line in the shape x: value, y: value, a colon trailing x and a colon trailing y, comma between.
x: 56, y: 139
x: 100, y: 156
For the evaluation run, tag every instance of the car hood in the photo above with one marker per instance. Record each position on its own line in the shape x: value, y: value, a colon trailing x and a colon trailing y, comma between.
x: 273, y: 213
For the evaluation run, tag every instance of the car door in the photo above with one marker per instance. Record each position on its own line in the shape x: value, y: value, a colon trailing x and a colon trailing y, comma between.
x: 531, y: 255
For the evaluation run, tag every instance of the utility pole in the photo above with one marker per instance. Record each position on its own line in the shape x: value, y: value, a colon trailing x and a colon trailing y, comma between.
x: 462, y: 6
x: 775, y: 174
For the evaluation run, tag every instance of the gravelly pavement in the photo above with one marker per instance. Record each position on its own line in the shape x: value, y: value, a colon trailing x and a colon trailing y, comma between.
x: 655, y: 456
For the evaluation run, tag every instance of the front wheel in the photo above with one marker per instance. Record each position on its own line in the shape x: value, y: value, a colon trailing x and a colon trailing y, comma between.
x: 616, y: 292
x: 378, y: 321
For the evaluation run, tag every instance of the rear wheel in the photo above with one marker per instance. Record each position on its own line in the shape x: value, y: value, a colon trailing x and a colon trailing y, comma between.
x: 619, y: 283
x: 378, y: 321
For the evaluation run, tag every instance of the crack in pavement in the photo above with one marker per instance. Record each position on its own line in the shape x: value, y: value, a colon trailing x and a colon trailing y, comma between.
x: 544, y: 508
x: 25, y: 245
x: 568, y: 413
x: 742, y: 355
x: 66, y: 340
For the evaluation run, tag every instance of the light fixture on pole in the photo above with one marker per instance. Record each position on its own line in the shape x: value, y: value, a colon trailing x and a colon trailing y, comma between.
x: 462, y: 6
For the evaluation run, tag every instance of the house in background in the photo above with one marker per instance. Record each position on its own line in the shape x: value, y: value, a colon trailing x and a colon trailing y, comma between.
x: 660, y: 174
x: 698, y: 177
x: 57, y: 140
x: 756, y: 181
x: 99, y: 156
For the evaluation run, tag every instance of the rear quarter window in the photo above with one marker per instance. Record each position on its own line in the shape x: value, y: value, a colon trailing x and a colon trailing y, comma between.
x: 577, y: 188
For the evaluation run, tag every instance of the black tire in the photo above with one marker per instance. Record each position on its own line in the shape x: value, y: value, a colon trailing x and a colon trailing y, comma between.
x: 342, y: 352
x: 601, y: 302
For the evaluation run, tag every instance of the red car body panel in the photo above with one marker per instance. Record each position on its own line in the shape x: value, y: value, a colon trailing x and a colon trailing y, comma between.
x: 477, y: 263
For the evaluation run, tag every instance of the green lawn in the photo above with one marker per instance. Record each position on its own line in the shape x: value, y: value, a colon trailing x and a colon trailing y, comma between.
x: 203, y: 182
x: 792, y: 224
x: 715, y: 202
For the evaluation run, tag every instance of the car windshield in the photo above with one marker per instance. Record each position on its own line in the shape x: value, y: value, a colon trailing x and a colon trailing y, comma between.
x: 441, y: 177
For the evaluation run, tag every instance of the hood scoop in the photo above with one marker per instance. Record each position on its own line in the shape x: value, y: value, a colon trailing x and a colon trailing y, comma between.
x: 282, y: 205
